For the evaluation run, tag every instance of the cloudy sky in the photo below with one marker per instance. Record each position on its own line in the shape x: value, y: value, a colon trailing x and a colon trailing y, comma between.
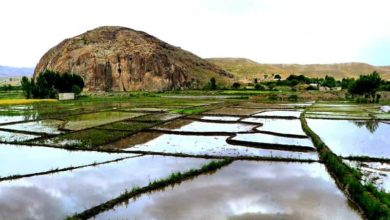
x: 267, y: 31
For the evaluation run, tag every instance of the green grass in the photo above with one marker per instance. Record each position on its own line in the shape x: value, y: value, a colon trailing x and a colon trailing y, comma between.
x: 189, y: 111
x: 374, y: 203
x: 128, y: 126
x: 11, y: 95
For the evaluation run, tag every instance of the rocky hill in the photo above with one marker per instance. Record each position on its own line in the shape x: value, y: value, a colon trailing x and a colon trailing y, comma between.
x: 121, y: 59
x: 245, y: 70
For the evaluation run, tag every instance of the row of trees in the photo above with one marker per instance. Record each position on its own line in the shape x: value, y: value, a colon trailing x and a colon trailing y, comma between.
x: 49, y: 83
x: 366, y: 86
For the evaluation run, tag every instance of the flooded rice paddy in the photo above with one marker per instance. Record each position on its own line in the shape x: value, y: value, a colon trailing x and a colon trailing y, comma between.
x: 279, y: 113
x: 278, y: 126
x: 22, y: 160
x: 354, y: 137
x: 49, y: 126
x: 245, y: 190
x: 376, y: 173
x: 62, y: 194
x: 6, y: 136
x: 268, y: 139
x: 151, y: 141
x: 200, y: 126
x: 212, y: 146
x: 84, y: 121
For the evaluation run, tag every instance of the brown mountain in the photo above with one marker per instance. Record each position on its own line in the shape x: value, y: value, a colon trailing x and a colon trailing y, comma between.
x: 246, y: 70
x: 121, y: 59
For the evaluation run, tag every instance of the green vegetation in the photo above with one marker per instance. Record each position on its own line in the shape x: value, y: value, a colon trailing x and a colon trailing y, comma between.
x: 190, y: 111
x: 128, y: 126
x: 367, y: 86
x: 9, y: 87
x: 174, y: 178
x: 49, y: 83
x: 85, y: 139
x: 236, y: 85
x: 212, y: 84
x: 374, y: 203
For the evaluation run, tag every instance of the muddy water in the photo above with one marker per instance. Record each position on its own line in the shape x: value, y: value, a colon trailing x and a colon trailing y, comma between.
x: 59, y: 195
x: 49, y: 126
x: 246, y: 190
x: 23, y: 160
x: 377, y: 173
x: 295, y: 114
x: 211, y: 145
x: 281, y: 126
x: 354, y: 138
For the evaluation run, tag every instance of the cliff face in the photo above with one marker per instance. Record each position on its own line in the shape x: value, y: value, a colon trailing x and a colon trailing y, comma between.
x: 122, y: 59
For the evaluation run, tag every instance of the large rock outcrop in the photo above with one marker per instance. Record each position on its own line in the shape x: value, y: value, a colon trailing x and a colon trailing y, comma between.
x: 122, y: 59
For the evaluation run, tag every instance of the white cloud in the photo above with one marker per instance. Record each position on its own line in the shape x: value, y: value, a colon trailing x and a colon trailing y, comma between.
x: 268, y: 31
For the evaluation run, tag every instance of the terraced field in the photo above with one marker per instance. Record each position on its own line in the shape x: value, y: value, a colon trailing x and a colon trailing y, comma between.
x: 181, y: 158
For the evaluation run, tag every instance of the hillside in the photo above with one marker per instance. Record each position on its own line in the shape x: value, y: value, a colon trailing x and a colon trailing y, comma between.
x: 114, y: 58
x: 245, y: 70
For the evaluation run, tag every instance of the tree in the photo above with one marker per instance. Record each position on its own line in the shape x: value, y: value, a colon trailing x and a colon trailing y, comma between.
x: 347, y: 82
x: 255, y: 81
x: 366, y: 85
x: 329, y: 81
x: 26, y: 87
x: 236, y: 85
x: 258, y: 86
x: 278, y: 77
x: 213, y: 84
x: 49, y: 83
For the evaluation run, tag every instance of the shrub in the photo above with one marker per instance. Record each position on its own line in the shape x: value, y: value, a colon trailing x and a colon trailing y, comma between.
x: 49, y: 83
x: 236, y: 85
x: 293, y: 98
x: 273, y: 97
x: 258, y: 86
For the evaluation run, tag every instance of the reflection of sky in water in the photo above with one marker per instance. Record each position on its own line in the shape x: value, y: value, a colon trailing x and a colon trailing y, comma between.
x: 8, y: 119
x: 272, y: 139
x: 351, y: 138
x: 24, y: 160
x: 11, y: 137
x: 209, y: 145
x: 280, y: 113
x: 198, y: 126
x: 374, y: 172
x: 221, y: 118
x: 49, y: 126
x: 246, y: 190
x: 282, y: 126
x: 57, y: 195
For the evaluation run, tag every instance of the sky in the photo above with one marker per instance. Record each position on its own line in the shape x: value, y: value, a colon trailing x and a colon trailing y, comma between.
x: 266, y: 31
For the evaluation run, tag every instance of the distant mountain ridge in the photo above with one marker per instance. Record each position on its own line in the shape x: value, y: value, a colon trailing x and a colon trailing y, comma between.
x: 245, y: 69
x: 8, y: 71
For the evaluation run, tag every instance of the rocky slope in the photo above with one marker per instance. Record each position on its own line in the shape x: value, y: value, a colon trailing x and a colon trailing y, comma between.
x: 245, y: 70
x: 121, y: 59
